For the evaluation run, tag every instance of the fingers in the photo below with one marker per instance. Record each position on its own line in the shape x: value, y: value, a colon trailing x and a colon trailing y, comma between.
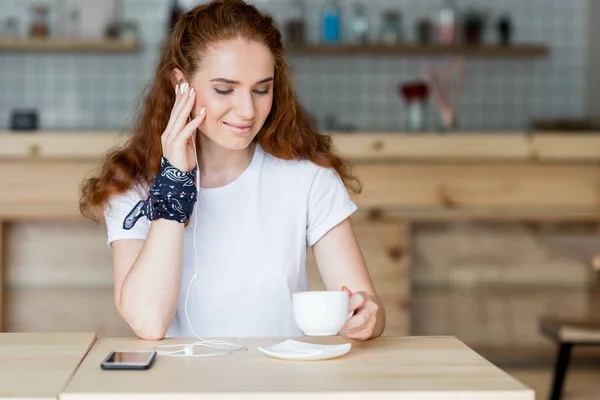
x: 175, y: 139
x: 357, y: 322
x: 361, y: 325
x: 180, y: 117
x: 357, y: 301
x: 184, y: 113
x: 362, y: 318
x: 191, y: 127
x: 184, y: 103
x: 178, y: 99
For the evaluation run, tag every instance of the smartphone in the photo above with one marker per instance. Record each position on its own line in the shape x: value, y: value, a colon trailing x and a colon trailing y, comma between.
x: 129, y: 359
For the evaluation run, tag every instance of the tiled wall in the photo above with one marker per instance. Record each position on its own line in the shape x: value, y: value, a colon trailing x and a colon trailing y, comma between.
x: 93, y: 91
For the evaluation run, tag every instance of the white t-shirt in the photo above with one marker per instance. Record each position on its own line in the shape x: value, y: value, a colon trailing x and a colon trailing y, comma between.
x: 251, y: 244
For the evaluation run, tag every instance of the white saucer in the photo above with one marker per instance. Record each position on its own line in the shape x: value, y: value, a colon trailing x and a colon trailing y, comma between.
x: 294, y: 350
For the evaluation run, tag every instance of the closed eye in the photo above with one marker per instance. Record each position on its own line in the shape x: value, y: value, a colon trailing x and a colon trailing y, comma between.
x: 224, y: 92
x: 229, y: 91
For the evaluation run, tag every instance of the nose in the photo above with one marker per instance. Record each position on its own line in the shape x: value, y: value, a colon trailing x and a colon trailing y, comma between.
x: 245, y: 107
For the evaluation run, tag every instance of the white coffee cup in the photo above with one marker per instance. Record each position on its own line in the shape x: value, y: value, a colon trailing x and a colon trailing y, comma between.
x: 321, y: 313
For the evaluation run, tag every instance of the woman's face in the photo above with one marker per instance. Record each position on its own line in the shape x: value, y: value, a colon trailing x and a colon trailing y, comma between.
x: 235, y: 84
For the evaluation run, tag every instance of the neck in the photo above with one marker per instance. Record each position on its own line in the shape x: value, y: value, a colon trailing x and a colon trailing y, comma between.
x: 220, y: 166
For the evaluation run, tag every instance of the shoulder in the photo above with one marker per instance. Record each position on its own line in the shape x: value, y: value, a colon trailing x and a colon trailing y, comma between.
x: 126, y: 200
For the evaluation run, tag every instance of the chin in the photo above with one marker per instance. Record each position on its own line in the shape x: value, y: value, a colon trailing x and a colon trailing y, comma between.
x: 234, y: 142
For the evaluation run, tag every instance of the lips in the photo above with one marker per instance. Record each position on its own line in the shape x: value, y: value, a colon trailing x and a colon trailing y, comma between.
x: 239, y: 128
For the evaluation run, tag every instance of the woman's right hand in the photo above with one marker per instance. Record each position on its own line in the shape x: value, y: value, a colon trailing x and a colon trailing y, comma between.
x: 177, y: 144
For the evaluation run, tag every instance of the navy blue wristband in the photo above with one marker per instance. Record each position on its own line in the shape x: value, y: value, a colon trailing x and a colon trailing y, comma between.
x: 172, y: 197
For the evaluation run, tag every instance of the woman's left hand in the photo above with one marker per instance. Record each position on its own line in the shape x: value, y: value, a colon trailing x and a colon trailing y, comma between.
x: 362, y: 324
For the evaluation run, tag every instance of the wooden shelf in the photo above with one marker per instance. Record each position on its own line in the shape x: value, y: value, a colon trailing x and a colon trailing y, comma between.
x: 518, y: 50
x: 68, y: 45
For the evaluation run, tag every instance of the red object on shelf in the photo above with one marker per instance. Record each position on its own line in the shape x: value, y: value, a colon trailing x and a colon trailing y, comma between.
x: 414, y: 90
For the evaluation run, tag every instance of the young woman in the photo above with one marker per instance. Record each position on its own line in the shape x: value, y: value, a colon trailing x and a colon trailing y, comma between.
x: 211, y: 204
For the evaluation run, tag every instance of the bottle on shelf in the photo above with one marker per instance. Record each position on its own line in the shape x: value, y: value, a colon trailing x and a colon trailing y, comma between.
x: 505, y: 30
x: 447, y: 23
x: 392, y: 30
x: 424, y: 31
x: 359, y: 25
x: 39, y: 27
x: 331, y: 22
x: 295, y: 25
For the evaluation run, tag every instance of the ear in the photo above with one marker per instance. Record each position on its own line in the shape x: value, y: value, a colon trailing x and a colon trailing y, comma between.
x: 177, y: 77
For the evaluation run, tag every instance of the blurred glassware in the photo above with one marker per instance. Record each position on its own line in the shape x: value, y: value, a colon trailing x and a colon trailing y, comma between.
x: 330, y: 22
x: 473, y: 26
x: 39, y: 27
x: 113, y: 29
x: 446, y: 29
x: 359, y: 25
x: 88, y: 18
x: 295, y: 24
x: 446, y: 85
x: 392, y: 31
x: 10, y: 28
x: 129, y: 31
x: 424, y: 31
x: 505, y: 30
x: 415, y: 96
x: 72, y: 27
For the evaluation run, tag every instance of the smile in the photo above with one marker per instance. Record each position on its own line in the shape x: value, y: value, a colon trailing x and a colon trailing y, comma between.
x: 240, y: 129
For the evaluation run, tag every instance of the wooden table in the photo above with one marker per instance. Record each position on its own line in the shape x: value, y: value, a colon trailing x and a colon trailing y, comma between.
x: 422, y: 368
x: 39, y: 365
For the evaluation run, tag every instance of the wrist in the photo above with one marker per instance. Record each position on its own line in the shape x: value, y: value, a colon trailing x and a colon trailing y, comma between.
x: 172, y: 197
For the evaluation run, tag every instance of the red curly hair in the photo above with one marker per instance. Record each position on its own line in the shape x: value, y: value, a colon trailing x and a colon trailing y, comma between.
x: 286, y: 134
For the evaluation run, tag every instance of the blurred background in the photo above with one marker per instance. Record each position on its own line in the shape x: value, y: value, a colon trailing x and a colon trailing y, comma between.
x: 473, y: 125
x: 542, y: 76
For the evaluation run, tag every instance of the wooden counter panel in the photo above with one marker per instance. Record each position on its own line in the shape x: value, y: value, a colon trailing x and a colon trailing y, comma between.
x: 69, y: 254
x: 31, y: 146
x: 371, y: 147
x: 64, y: 310
x: 567, y: 148
x: 472, y: 186
x: 51, y: 189
x: 357, y: 146
x: 42, y: 182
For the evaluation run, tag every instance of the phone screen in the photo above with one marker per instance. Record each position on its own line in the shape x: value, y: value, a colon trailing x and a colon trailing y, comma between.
x: 129, y: 359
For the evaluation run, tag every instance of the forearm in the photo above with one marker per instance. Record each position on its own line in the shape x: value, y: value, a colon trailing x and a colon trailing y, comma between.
x: 150, y: 292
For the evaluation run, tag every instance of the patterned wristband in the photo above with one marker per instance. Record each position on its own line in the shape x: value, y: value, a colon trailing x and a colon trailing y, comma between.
x: 172, y: 196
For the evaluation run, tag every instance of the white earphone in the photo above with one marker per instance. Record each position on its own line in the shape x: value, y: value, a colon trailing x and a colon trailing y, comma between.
x: 187, y: 350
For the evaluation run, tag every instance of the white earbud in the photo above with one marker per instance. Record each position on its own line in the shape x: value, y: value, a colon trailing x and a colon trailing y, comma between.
x: 188, y: 350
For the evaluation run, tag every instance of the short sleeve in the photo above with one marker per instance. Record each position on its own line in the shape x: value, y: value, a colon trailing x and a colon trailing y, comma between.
x: 328, y: 202
x: 115, y: 212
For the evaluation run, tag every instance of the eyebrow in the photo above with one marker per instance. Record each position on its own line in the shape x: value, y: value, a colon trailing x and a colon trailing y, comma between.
x: 223, y: 80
